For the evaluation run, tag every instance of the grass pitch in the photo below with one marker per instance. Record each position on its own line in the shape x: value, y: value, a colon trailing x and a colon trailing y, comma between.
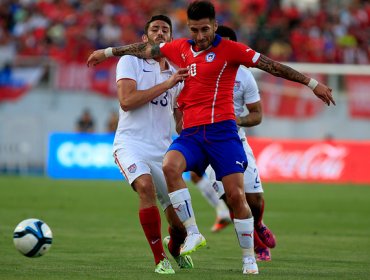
x: 323, y: 232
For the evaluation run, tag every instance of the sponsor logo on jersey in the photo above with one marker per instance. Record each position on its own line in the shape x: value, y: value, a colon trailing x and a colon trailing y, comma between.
x: 132, y: 168
x: 210, y: 56
x: 236, y: 85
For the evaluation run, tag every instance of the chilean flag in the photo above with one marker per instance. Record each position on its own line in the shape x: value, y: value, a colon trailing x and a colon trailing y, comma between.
x: 15, y: 82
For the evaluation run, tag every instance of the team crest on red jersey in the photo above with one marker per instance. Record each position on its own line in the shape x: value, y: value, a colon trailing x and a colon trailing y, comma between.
x: 132, y: 168
x: 210, y: 56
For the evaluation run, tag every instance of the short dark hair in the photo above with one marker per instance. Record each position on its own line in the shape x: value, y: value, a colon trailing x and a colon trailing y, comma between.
x: 201, y: 9
x: 164, y: 18
x: 225, y: 31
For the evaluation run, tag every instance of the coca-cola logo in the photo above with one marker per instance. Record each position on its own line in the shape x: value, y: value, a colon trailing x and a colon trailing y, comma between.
x: 320, y: 161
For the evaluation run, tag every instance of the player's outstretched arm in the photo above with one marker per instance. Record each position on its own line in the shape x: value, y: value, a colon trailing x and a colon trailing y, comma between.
x: 141, y: 50
x: 280, y: 70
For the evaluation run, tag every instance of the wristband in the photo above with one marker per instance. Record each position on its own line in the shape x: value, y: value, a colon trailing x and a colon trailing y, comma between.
x: 312, y: 84
x: 108, y: 52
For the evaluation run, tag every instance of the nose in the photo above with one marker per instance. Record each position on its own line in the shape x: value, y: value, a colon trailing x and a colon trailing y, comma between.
x: 200, y: 36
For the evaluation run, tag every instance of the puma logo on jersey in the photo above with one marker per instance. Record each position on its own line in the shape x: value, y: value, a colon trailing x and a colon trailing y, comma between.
x: 248, y: 50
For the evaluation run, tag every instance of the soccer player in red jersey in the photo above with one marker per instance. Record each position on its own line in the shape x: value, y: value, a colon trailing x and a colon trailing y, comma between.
x: 209, y: 135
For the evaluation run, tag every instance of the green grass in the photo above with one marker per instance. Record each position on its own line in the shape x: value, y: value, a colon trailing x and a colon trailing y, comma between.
x: 323, y: 232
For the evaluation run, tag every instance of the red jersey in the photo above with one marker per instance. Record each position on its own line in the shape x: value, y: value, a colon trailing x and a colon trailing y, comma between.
x: 207, y: 96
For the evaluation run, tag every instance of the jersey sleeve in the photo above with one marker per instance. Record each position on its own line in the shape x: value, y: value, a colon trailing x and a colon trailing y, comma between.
x: 172, y: 51
x: 126, y: 68
x: 251, y: 92
x: 242, y: 54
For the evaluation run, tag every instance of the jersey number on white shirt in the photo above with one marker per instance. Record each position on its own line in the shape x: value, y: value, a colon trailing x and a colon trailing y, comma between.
x: 163, y: 100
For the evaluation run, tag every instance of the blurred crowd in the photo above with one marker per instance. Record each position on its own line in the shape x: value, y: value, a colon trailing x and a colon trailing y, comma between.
x: 68, y: 30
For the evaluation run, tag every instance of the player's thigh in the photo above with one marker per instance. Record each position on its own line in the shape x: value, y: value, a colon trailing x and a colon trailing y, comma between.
x: 188, y: 145
x: 224, y: 149
x: 160, y: 184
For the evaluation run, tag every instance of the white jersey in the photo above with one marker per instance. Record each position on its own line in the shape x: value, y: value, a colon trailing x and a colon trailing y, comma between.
x: 245, y: 92
x: 146, y: 129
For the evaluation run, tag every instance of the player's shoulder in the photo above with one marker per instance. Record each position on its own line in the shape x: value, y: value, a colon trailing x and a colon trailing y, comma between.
x: 176, y: 42
x: 230, y: 43
x: 130, y: 58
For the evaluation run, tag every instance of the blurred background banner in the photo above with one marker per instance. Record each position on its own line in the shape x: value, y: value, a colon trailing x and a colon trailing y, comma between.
x: 76, y: 76
x: 14, y: 82
x: 358, y: 88
x: 311, y: 161
x: 285, y: 99
x: 81, y: 156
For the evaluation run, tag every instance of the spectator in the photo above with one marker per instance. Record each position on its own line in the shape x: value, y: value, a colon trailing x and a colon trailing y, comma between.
x: 86, y: 122
x: 112, y: 122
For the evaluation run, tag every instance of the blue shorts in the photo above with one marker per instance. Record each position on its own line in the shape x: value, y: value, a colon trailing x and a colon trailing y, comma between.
x: 217, y: 144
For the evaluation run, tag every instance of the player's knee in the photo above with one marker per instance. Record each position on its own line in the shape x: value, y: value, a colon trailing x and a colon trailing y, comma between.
x: 235, y: 198
x: 170, y: 170
x: 146, y: 191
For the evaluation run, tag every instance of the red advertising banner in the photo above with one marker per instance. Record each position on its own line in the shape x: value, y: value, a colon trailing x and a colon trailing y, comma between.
x: 358, y: 96
x: 312, y: 161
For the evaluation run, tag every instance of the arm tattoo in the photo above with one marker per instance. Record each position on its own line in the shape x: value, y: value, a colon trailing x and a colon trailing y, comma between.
x: 280, y: 70
x: 140, y: 50
x: 155, y: 51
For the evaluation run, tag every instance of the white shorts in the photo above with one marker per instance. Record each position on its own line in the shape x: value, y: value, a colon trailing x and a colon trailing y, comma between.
x: 133, y: 165
x: 252, y: 181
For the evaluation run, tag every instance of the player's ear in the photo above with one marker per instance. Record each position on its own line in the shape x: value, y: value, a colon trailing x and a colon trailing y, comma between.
x: 216, y: 25
x: 144, y: 38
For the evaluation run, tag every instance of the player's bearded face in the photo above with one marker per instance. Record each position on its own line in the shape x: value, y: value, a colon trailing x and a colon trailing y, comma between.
x: 202, y: 32
x: 158, y: 32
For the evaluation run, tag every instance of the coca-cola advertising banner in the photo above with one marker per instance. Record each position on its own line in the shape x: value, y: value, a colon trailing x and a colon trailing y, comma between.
x: 312, y: 161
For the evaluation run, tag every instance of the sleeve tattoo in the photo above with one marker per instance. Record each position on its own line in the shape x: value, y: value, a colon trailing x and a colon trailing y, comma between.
x: 140, y: 50
x: 280, y: 70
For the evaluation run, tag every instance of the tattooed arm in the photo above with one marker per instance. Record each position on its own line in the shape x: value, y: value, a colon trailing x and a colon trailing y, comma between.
x: 141, y: 50
x: 280, y: 70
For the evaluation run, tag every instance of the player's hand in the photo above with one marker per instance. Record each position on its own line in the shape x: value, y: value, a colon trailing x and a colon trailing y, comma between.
x: 179, y: 76
x: 96, y: 57
x: 324, y: 93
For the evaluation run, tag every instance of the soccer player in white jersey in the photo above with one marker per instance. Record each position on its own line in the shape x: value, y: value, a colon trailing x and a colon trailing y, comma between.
x: 147, y: 89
